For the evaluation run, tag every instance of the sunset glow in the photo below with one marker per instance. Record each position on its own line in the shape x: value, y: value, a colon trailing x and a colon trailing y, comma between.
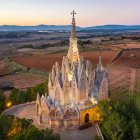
x: 90, y: 12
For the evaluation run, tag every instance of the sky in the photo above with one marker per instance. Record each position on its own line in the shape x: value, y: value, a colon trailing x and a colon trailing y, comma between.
x: 57, y: 12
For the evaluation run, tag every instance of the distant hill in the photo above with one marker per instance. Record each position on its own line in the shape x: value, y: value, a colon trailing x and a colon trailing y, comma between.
x: 114, y: 27
x: 37, y: 28
x: 66, y: 27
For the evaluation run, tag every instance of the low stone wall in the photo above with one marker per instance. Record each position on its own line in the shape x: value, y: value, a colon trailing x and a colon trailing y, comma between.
x: 6, y: 111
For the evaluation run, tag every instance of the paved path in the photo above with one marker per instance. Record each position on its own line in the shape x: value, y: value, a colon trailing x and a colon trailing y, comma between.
x: 28, y: 112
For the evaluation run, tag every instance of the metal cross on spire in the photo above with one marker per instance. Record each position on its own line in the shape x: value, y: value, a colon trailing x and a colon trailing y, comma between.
x: 73, y: 13
x: 73, y: 32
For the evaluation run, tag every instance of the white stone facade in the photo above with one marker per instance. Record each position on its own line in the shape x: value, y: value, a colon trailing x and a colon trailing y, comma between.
x: 71, y: 85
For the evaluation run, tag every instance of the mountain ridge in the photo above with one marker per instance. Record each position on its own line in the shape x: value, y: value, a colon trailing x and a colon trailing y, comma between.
x: 66, y: 27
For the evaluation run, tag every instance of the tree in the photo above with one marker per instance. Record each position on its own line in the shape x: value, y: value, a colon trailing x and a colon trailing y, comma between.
x: 31, y: 133
x: 2, y: 102
x: 18, y: 125
x: 105, y: 109
x: 121, y: 120
x: 19, y: 96
x: 13, y: 128
x: 5, y: 124
x: 56, y: 136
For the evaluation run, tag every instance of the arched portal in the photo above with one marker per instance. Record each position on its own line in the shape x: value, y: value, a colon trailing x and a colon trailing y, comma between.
x: 52, y: 114
x: 67, y: 114
x: 58, y: 114
x: 44, y: 117
x: 75, y: 114
x: 87, y: 118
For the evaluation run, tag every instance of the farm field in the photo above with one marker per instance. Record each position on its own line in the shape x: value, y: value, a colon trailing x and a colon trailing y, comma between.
x: 120, y: 79
x: 131, y: 45
x: 2, y: 64
x: 45, y: 62
x: 125, y: 74
x: 129, y: 58
x: 123, y: 81
x: 24, y: 80
x: 3, y: 68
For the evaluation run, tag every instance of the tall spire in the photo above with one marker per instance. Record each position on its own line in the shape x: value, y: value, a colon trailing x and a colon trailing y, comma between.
x: 73, y: 52
x: 100, y: 58
x: 73, y: 32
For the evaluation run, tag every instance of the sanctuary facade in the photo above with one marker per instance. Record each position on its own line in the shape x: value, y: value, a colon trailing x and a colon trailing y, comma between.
x: 74, y: 89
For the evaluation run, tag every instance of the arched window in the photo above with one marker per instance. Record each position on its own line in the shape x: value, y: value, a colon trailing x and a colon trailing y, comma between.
x: 58, y: 114
x: 75, y: 114
x: 67, y: 114
x: 52, y: 114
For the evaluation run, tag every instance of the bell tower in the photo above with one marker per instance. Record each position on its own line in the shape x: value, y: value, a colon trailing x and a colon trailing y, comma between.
x: 73, y: 52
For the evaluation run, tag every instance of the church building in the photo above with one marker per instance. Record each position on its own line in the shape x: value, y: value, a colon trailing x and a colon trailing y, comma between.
x: 74, y: 89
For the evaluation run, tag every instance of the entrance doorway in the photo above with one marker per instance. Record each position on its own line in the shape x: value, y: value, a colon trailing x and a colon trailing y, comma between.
x: 87, y: 118
x: 44, y: 117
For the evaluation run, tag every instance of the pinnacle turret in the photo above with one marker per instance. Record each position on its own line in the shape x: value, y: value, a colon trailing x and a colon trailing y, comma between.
x: 100, y: 58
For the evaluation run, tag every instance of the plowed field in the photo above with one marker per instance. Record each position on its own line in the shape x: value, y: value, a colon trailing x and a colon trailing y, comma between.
x: 129, y: 58
x: 45, y: 62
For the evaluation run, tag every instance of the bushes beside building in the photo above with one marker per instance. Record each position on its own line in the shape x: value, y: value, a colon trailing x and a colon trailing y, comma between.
x: 22, y: 96
x: 18, y: 96
x: 12, y: 128
x: 2, y: 102
x: 120, y: 121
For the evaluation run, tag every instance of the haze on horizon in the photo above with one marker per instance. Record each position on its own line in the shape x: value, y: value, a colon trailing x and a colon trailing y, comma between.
x: 57, y: 12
